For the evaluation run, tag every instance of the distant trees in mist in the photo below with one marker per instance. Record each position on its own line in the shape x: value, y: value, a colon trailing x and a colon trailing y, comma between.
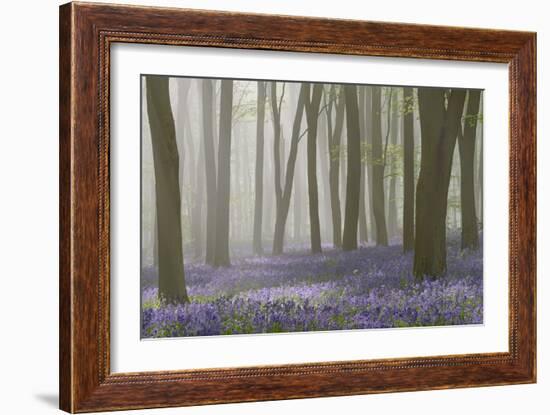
x: 225, y: 161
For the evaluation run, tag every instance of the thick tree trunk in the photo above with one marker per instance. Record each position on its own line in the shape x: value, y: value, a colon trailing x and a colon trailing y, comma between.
x: 221, y: 258
x: 282, y: 211
x: 378, y: 170
x: 209, y: 169
x: 408, y: 171
x: 335, y: 138
x: 466, y: 147
x: 363, y: 233
x: 312, y: 115
x: 439, y: 125
x: 354, y: 169
x: 259, y: 174
x: 165, y: 156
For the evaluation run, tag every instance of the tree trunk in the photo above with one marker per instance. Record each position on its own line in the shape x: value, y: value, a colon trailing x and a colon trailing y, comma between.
x: 480, y: 178
x: 334, y: 166
x: 408, y: 171
x: 366, y: 155
x: 221, y: 258
x: 363, y: 233
x: 466, y: 147
x: 312, y: 115
x: 259, y: 175
x: 392, y: 202
x: 378, y: 170
x: 282, y: 210
x: 439, y: 125
x: 276, y: 110
x: 166, y: 161
x: 354, y: 169
x: 323, y: 157
x: 209, y: 169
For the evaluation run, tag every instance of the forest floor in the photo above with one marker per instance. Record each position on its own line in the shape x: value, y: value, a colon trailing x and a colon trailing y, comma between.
x: 372, y: 287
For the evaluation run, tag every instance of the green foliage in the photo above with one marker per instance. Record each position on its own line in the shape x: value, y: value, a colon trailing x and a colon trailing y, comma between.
x: 473, y: 119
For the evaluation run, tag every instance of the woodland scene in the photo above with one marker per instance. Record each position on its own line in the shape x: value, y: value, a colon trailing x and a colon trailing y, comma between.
x: 282, y: 206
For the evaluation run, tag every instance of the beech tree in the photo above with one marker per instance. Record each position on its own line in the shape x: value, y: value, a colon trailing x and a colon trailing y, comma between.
x: 312, y: 114
x: 209, y: 168
x: 408, y: 170
x: 221, y: 257
x: 282, y: 207
x: 259, y: 173
x: 440, y: 120
x: 378, y: 169
x: 354, y: 169
x: 168, y: 199
x: 336, y: 101
x: 466, y: 146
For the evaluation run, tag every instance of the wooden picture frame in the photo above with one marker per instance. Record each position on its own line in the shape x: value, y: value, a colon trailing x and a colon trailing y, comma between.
x: 86, y: 33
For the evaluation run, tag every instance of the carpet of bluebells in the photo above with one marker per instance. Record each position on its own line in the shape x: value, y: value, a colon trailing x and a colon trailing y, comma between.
x: 369, y: 288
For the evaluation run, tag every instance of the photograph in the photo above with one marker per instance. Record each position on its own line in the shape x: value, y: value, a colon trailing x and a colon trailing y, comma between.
x: 272, y: 206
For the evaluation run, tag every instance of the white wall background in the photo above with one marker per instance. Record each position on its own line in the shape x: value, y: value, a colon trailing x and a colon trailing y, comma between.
x: 29, y: 206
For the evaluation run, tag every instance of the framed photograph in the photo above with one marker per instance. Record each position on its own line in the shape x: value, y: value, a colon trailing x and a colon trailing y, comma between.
x: 258, y: 207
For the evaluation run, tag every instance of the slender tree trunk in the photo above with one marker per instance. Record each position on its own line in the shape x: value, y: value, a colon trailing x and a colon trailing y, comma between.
x: 334, y: 166
x: 165, y: 155
x: 323, y: 157
x: 354, y: 169
x: 363, y: 233
x: 221, y: 258
x: 466, y: 147
x: 367, y: 159
x: 378, y: 170
x: 259, y: 175
x: 298, y: 204
x: 155, y: 241
x: 312, y: 114
x: 209, y: 169
x: 439, y: 125
x: 392, y: 202
x: 198, y: 204
x: 282, y: 211
x: 276, y: 110
x: 479, y: 169
x: 408, y: 171
x: 196, y: 179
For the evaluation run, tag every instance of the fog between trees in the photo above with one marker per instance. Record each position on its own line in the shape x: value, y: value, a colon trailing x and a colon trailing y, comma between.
x: 232, y: 168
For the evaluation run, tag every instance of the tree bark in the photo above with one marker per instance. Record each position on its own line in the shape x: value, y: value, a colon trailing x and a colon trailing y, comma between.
x: 312, y: 115
x: 166, y: 161
x: 335, y: 136
x: 209, y: 169
x: 259, y: 174
x: 466, y: 147
x: 378, y: 170
x: 408, y: 171
x: 439, y: 124
x: 221, y: 258
x: 282, y: 210
x: 367, y: 160
x: 392, y: 202
x: 354, y: 169
x: 276, y: 110
x: 363, y: 229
